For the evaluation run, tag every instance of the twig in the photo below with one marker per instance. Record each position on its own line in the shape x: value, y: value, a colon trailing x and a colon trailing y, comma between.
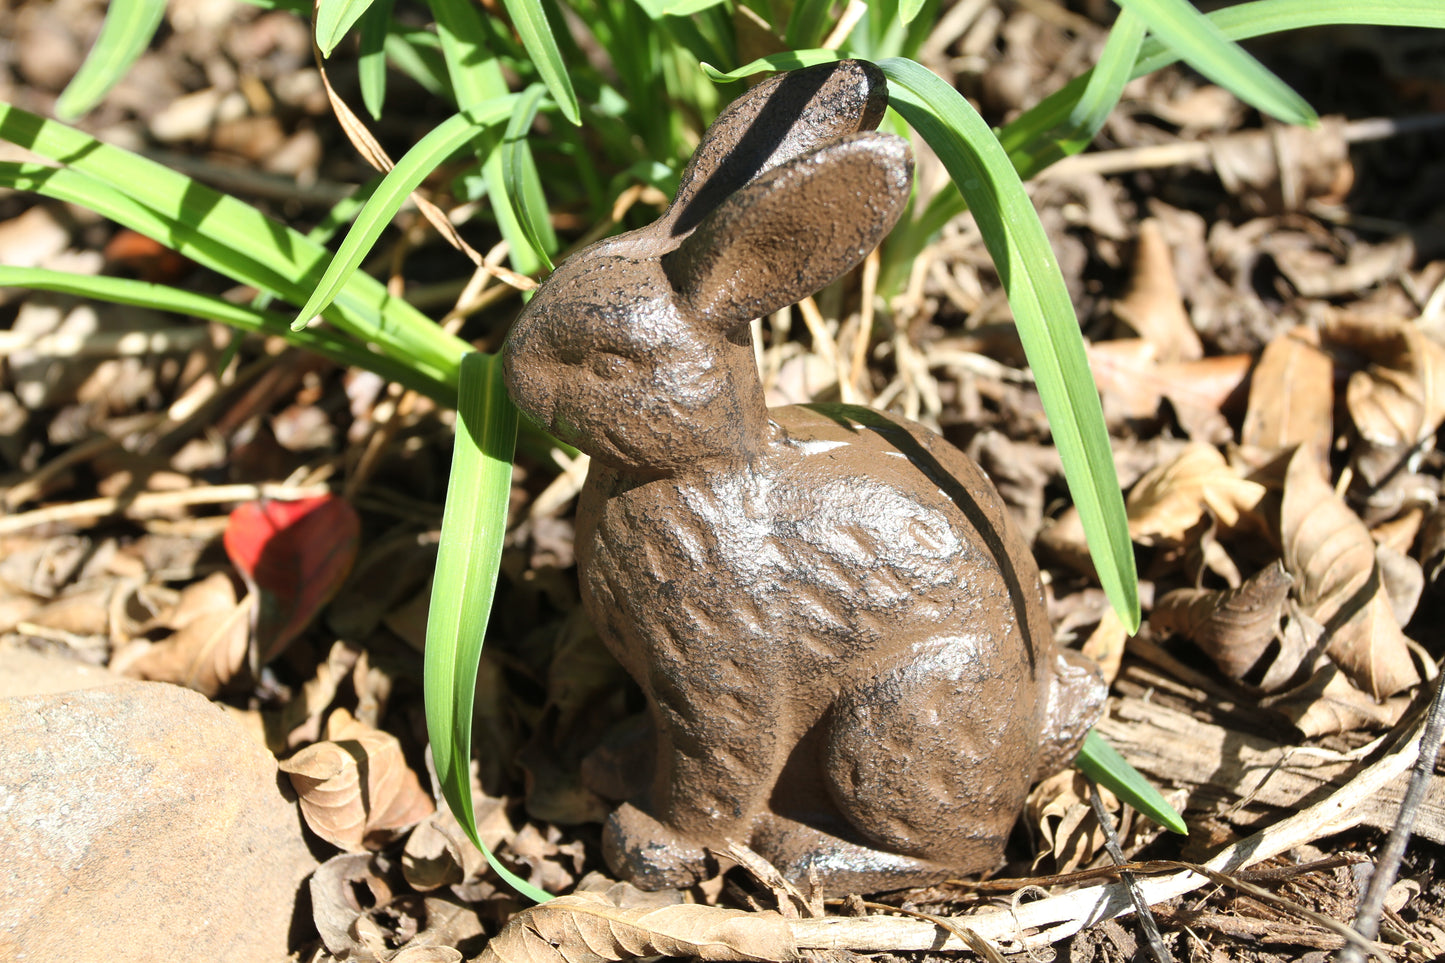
x: 108, y: 344
x: 1147, y: 923
x: 151, y: 503
x: 1351, y: 937
x: 33, y: 484
x: 1199, y: 151
x: 1367, y: 917
x: 975, y: 942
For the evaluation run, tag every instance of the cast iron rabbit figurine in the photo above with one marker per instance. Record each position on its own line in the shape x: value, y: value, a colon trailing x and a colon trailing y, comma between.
x: 839, y: 632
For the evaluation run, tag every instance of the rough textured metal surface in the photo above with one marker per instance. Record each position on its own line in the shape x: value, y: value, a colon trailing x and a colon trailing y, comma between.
x: 841, y: 636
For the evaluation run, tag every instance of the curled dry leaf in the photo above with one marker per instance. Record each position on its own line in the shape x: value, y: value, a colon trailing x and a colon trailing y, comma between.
x: 587, y: 928
x: 1060, y: 814
x: 1153, y: 307
x: 337, y: 901
x: 1291, y: 397
x: 1172, y: 498
x: 1403, y: 579
x: 338, y: 807
x: 1329, y: 552
x: 1327, y: 703
x: 1399, y: 400
x: 208, y: 646
x: 1236, y: 628
x: 1280, y: 168
x: 1132, y: 382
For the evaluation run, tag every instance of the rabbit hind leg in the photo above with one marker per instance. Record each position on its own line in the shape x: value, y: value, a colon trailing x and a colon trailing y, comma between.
x: 930, y: 760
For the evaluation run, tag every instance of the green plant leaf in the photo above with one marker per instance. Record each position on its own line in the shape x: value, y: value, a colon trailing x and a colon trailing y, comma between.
x: 656, y: 9
x: 371, y: 56
x: 530, y: 22
x: 1261, y: 17
x: 1102, y: 763
x: 1070, y: 133
x: 220, y: 232
x: 1201, y: 44
x: 808, y: 23
x: 334, y: 18
x: 909, y: 9
x: 787, y: 60
x: 157, y: 297
x: 477, y: 80
x: 127, y: 31
x: 468, y: 558
x: 524, y: 186
x: 1045, y: 316
x: 445, y: 139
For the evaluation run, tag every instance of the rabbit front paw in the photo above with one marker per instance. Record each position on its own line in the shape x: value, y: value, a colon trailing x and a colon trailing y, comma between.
x: 650, y: 855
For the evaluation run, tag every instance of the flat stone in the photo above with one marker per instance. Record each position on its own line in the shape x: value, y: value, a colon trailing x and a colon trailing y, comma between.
x: 140, y: 822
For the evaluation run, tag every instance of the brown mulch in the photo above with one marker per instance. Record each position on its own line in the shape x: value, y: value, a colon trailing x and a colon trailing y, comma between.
x: 1266, y: 317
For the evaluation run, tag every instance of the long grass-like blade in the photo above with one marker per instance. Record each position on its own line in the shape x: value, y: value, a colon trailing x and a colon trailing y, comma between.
x: 468, y: 559
x: 657, y: 9
x: 524, y: 185
x: 1026, y: 138
x: 477, y: 80
x: 159, y: 297
x: 530, y: 21
x: 371, y: 56
x: 1045, y: 316
x: 1205, y: 48
x: 908, y: 9
x: 808, y: 23
x: 448, y: 136
x: 232, y: 234
x: 1102, y: 763
x: 787, y: 60
x: 73, y: 187
x: 1073, y: 132
x: 1262, y: 17
x: 334, y: 18
x: 127, y: 31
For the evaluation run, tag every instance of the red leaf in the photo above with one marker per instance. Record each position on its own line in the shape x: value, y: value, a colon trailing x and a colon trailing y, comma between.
x: 294, y: 556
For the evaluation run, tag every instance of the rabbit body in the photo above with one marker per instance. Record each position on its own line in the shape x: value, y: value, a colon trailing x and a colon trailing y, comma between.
x: 840, y: 634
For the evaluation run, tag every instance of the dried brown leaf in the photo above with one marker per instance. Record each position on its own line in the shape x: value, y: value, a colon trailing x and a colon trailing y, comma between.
x: 1126, y: 374
x: 1105, y: 645
x: 208, y: 647
x: 1153, y: 307
x: 1059, y: 812
x: 1280, y: 168
x: 1399, y: 400
x: 336, y: 890
x: 1329, y: 552
x: 299, y: 721
x: 1403, y: 580
x: 1327, y: 703
x: 586, y: 928
x: 1171, y: 498
x: 1235, y: 628
x: 1291, y: 398
x: 328, y: 777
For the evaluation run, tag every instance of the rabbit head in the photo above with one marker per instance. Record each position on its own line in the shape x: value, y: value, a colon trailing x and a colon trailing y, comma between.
x: 637, y: 349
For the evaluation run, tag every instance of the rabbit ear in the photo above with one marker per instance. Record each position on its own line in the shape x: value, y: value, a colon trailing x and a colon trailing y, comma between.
x: 793, y: 230
x: 778, y: 119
